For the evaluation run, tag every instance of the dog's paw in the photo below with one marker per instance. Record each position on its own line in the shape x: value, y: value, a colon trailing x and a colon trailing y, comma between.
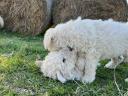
x: 110, y: 65
x: 88, y: 79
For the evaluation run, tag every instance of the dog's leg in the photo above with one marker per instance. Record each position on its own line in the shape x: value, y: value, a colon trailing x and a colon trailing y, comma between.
x: 90, y: 68
x: 114, y: 62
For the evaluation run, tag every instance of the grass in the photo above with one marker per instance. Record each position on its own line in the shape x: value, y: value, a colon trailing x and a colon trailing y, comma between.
x: 19, y: 76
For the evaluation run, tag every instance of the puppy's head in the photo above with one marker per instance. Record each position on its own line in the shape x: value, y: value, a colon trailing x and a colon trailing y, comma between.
x: 57, y: 38
x: 51, y: 40
x: 60, y: 65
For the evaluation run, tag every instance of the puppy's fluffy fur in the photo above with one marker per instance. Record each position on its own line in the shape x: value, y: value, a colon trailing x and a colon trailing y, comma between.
x: 60, y: 65
x: 1, y: 22
x: 98, y: 39
x: 64, y: 65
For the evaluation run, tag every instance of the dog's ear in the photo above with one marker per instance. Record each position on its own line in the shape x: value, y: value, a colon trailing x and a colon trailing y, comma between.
x: 60, y: 77
x: 48, y: 39
x: 51, y: 36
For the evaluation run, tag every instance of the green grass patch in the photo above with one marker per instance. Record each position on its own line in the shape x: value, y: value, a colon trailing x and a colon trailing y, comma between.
x: 19, y: 76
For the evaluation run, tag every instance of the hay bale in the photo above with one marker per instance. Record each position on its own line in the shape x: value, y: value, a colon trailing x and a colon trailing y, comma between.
x: 63, y: 10
x: 25, y: 16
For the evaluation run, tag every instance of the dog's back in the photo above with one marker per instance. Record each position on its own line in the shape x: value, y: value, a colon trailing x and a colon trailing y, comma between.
x: 108, y: 36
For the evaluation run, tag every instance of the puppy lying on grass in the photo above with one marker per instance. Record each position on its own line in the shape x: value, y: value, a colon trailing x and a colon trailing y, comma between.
x: 66, y: 64
x: 96, y: 38
x: 63, y: 65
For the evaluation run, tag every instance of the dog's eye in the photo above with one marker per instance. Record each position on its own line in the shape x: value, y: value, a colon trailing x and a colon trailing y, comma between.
x: 64, y: 60
x: 70, y: 48
x: 52, y: 39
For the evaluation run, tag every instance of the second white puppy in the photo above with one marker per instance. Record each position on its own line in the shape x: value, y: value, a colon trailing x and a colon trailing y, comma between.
x: 98, y: 39
x: 63, y: 65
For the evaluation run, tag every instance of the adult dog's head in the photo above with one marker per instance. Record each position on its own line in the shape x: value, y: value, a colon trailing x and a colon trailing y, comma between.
x: 55, y: 39
x: 60, y: 36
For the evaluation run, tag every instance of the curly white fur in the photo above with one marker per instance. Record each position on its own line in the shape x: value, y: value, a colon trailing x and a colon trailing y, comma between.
x: 1, y: 22
x: 59, y: 65
x: 98, y: 39
x: 72, y: 69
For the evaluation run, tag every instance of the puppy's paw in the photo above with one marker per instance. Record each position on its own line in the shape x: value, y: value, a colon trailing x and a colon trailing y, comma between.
x: 110, y: 65
x: 88, y: 79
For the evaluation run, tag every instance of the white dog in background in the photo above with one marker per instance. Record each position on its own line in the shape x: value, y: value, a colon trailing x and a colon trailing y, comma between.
x: 1, y: 22
x: 96, y: 38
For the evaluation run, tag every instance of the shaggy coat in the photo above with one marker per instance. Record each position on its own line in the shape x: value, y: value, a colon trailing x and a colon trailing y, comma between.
x: 63, y: 65
x: 60, y: 65
x: 96, y: 38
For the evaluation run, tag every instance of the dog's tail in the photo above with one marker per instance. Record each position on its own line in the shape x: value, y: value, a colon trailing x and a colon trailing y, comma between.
x: 1, y: 22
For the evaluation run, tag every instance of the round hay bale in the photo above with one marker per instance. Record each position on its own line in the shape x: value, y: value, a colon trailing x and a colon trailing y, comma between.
x: 63, y: 10
x: 25, y: 16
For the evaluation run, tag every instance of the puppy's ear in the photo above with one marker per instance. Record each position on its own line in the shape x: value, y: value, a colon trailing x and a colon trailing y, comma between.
x: 60, y: 77
x: 48, y: 38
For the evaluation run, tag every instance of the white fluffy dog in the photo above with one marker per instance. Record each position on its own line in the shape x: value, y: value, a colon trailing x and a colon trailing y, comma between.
x: 98, y: 39
x: 61, y: 65
x: 1, y: 22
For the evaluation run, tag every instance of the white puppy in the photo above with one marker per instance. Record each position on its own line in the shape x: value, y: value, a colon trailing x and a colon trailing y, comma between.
x: 59, y: 65
x: 63, y: 65
x: 1, y: 22
x: 98, y: 39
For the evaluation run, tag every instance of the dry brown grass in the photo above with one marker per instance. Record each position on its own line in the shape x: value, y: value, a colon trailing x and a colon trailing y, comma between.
x: 25, y: 16
x: 94, y: 9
